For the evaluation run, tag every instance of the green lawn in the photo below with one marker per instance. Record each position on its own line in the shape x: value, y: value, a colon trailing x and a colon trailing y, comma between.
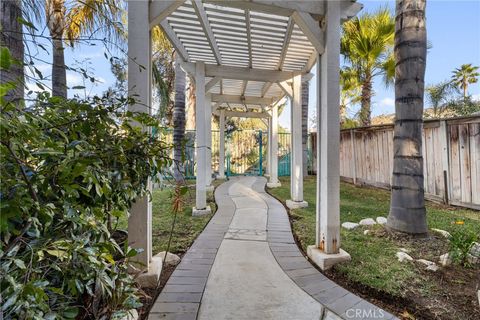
x: 373, y: 255
x: 187, y: 227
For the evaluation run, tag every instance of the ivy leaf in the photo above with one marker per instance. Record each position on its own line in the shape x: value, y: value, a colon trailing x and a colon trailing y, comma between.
x: 20, y: 264
x: 70, y: 313
x: 5, y: 58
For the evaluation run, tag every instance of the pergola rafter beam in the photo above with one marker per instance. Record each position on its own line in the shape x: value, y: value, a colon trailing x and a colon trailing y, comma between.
x: 311, y: 29
x: 265, y: 88
x: 160, y: 9
x: 286, y: 87
x: 212, y: 83
x: 202, y: 17
x: 177, y: 44
x: 286, y: 41
x: 249, y: 37
x: 244, y: 87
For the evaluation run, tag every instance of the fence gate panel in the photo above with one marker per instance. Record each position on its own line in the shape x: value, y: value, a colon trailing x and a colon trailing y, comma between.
x: 246, y: 151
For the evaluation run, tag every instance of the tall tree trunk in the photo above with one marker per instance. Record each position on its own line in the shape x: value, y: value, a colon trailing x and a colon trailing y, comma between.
x: 305, y: 127
x: 11, y: 37
x: 407, y: 206
x: 190, y: 121
x: 55, y: 12
x: 366, y: 99
x: 179, y: 121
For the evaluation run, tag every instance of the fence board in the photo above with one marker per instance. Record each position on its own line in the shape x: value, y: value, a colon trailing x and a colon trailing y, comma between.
x: 452, y: 145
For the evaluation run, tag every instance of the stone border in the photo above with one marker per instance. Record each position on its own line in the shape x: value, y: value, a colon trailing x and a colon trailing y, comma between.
x: 339, y: 302
x: 180, y: 298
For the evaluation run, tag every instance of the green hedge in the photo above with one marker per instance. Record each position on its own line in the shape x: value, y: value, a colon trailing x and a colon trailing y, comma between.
x: 69, y: 170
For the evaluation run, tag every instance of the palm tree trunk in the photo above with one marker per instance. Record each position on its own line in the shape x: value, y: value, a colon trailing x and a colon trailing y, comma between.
x: 407, y: 206
x: 365, y: 110
x: 11, y: 37
x: 179, y: 121
x: 55, y: 12
x: 190, y: 121
x: 305, y: 127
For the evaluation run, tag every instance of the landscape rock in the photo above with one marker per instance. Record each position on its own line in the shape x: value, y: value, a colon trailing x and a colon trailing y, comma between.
x: 404, y: 250
x: 381, y: 220
x: 445, y: 259
x: 366, y: 232
x: 472, y: 259
x: 444, y: 233
x: 475, y: 250
x: 402, y: 256
x: 367, y: 222
x: 349, y: 225
x: 171, y: 259
x: 432, y: 266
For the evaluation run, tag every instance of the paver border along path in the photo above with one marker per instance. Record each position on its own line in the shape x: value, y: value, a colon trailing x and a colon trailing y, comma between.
x: 183, y: 293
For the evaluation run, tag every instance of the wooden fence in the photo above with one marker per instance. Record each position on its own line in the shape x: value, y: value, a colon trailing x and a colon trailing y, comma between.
x: 451, y: 153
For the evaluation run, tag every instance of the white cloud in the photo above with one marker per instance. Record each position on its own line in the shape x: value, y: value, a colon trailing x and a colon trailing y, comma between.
x: 476, y: 97
x: 74, y: 79
x: 387, y: 102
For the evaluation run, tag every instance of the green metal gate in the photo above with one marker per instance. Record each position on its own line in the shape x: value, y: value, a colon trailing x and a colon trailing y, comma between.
x: 245, y: 151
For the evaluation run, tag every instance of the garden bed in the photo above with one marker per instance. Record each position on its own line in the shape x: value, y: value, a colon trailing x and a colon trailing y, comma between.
x: 404, y: 288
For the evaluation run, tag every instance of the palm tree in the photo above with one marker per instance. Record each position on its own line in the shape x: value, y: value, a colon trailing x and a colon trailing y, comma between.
x: 407, y: 206
x: 366, y: 45
x: 464, y: 76
x: 11, y: 38
x: 438, y: 95
x: 70, y: 23
x: 178, y: 121
x: 350, y: 90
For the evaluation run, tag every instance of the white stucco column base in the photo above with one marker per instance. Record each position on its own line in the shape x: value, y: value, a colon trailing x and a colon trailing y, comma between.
x: 149, y: 278
x: 324, y: 260
x: 296, y: 204
x: 221, y: 176
x: 274, y: 185
x: 201, y: 212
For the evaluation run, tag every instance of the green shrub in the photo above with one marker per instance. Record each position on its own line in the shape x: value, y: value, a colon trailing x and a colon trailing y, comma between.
x: 70, y: 169
x: 461, y: 242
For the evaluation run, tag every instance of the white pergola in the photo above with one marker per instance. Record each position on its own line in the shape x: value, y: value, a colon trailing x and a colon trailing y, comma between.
x: 245, y: 58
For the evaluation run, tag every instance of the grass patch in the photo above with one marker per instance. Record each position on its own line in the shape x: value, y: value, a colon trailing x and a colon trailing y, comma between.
x: 373, y: 261
x: 187, y: 227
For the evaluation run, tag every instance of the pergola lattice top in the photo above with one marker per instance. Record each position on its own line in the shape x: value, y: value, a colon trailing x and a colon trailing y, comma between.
x: 250, y: 48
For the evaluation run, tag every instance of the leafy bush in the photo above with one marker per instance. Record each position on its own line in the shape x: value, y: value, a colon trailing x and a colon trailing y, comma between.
x: 461, y: 242
x: 70, y: 169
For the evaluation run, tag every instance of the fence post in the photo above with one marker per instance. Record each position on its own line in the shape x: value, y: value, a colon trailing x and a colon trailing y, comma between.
x: 354, y: 157
x: 443, y: 134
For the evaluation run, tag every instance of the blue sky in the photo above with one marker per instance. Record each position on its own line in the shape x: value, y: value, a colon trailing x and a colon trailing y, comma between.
x: 453, y: 29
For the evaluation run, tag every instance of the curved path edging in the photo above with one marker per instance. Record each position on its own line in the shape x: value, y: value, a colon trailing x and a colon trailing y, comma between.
x: 182, y: 296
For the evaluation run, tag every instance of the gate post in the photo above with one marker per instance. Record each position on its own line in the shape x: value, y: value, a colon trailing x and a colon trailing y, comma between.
x: 273, y: 181
x: 221, y: 161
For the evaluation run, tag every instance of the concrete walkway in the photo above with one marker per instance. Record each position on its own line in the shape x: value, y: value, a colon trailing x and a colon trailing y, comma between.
x: 246, y: 265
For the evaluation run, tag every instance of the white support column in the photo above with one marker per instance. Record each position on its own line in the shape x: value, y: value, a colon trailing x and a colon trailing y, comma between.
x: 273, y: 182
x: 268, y: 168
x: 208, y: 139
x: 296, y: 172
x: 326, y: 252
x: 139, y: 85
x: 221, y: 155
x: 201, y: 207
